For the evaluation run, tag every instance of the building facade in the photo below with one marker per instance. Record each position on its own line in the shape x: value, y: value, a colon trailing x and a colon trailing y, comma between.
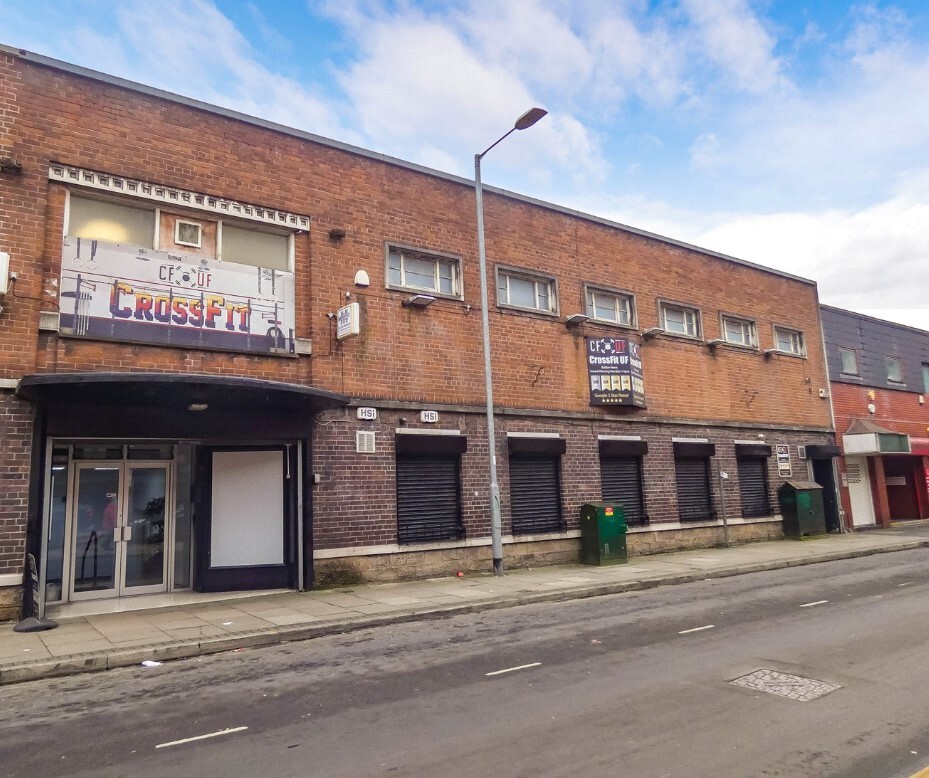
x: 879, y: 373
x: 237, y: 355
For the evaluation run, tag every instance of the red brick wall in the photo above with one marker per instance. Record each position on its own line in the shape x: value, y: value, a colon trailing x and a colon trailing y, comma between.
x: 432, y: 355
x: 894, y: 410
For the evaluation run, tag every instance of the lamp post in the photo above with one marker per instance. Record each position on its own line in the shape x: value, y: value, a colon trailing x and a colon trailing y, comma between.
x: 496, y: 530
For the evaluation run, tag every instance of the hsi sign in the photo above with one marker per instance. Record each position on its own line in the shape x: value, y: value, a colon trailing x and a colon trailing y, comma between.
x: 614, y: 370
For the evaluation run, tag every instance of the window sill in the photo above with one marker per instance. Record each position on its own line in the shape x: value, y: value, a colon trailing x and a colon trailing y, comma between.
x: 414, y: 290
x: 613, y: 324
x: 531, y: 311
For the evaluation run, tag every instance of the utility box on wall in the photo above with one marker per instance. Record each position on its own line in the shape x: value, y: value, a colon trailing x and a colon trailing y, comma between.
x: 802, y: 508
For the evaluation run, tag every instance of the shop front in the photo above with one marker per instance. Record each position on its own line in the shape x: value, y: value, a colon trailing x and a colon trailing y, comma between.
x: 152, y: 483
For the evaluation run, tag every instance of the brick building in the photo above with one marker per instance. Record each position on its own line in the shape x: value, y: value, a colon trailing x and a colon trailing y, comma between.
x: 879, y: 373
x: 181, y: 411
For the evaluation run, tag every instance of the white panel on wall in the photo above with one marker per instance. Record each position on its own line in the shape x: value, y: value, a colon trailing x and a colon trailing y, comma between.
x: 248, y: 509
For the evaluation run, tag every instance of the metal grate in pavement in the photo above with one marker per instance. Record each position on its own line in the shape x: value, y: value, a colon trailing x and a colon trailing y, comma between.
x: 794, y: 687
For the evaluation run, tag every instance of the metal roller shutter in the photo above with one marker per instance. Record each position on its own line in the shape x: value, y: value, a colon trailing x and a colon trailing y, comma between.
x: 428, y: 499
x: 693, y: 489
x: 621, y: 484
x: 753, y: 485
x: 535, y: 495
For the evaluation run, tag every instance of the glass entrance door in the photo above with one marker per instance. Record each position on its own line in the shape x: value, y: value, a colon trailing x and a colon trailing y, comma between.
x: 120, y: 524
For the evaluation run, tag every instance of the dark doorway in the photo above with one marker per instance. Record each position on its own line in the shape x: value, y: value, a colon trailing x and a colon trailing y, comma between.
x: 900, y: 477
x: 824, y: 475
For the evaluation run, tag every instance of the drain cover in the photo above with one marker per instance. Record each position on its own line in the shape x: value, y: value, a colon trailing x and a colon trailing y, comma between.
x: 794, y: 687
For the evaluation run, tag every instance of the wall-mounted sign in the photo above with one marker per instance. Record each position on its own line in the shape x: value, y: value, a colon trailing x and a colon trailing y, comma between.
x: 348, y: 321
x: 614, y: 369
x: 367, y: 414
x: 783, y: 461
x: 115, y: 292
x: 429, y: 417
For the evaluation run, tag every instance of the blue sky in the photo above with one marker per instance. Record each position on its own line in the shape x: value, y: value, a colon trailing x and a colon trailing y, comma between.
x: 792, y: 134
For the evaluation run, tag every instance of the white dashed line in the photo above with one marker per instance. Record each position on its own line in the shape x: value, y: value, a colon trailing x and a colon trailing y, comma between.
x: 696, y: 629
x: 908, y: 583
x: 201, y: 737
x: 811, y: 604
x: 514, y: 669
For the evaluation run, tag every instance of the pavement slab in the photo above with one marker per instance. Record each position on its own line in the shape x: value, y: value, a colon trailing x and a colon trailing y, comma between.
x: 97, y: 642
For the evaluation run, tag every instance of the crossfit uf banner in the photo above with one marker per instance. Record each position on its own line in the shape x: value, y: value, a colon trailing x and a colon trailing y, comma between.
x: 115, y: 292
x: 614, y: 368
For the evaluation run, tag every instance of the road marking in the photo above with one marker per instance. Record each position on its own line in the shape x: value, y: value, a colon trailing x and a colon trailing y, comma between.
x: 696, y: 629
x: 811, y: 604
x: 514, y: 669
x: 908, y: 583
x: 201, y: 737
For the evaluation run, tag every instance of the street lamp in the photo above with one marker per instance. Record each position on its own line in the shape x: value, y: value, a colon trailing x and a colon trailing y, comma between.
x: 496, y: 531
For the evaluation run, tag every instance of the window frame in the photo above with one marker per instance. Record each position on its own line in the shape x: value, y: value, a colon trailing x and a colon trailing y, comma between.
x: 791, y: 331
x: 665, y: 305
x: 751, y: 324
x: 925, y: 370
x: 427, y: 255
x: 892, y: 358
x: 590, y: 308
x: 854, y: 353
x: 178, y: 223
x: 528, y: 275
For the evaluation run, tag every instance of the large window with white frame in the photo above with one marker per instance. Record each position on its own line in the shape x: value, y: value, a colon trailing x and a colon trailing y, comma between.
x: 789, y: 341
x: 610, y: 306
x: 527, y: 290
x: 679, y: 319
x: 423, y: 271
x: 739, y: 331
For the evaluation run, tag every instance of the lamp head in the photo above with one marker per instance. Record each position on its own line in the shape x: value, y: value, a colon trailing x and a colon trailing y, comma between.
x: 529, y: 118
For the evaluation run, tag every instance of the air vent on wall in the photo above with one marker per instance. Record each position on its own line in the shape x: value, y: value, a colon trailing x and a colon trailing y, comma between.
x: 801, y: 452
x: 364, y: 442
x: 48, y: 321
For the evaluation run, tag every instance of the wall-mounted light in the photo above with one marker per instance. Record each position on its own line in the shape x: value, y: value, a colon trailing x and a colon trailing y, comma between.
x: 652, y: 332
x: 336, y: 233
x: 418, y: 301
x: 575, y: 319
x: 715, y: 342
x: 770, y: 352
x: 197, y: 407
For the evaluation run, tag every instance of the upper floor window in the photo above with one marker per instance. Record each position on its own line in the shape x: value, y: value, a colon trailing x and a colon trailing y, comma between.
x: 111, y: 222
x: 680, y: 319
x: 925, y: 377
x: 789, y: 341
x: 739, y: 332
x: 849, y: 358
x: 153, y: 228
x: 615, y: 307
x: 894, y: 369
x: 520, y: 289
x: 423, y: 271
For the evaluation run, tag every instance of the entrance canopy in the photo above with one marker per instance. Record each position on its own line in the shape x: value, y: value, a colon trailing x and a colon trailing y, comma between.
x: 174, y: 405
x: 176, y: 392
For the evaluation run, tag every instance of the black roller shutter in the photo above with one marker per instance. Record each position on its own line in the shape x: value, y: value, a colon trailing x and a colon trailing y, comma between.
x: 753, y: 485
x: 535, y: 494
x: 621, y: 484
x: 694, y: 502
x: 428, y: 498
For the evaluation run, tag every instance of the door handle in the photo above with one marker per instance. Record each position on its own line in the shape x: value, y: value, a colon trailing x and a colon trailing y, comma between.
x: 127, y: 533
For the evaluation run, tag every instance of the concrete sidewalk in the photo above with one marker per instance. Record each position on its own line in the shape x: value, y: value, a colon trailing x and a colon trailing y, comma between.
x: 89, y: 643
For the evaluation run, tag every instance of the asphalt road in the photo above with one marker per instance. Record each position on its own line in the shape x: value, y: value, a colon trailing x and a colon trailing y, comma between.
x: 634, y: 685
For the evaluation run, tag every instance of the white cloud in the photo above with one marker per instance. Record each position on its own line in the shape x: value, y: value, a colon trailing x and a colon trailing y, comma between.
x: 873, y: 258
x: 735, y: 39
